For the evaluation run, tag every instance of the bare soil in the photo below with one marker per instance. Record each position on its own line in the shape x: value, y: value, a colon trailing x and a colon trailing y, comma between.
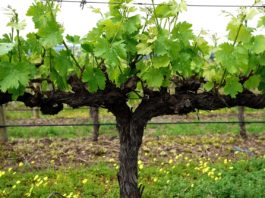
x: 57, y: 152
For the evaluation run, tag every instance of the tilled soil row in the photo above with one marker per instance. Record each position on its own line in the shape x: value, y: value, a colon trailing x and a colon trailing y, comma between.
x: 57, y: 152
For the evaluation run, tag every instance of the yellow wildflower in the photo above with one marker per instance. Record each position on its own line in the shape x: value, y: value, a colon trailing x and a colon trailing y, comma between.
x: 20, y: 164
x: 2, y: 173
x: 84, y: 181
x: 36, y: 177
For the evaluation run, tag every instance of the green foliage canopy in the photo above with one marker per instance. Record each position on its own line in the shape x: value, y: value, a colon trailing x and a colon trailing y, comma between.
x: 152, y: 45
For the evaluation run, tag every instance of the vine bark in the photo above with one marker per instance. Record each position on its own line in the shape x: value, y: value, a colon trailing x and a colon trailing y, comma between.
x: 131, y: 134
x: 241, y: 119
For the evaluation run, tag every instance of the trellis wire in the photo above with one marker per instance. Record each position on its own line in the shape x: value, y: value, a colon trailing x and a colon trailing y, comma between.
x: 83, y: 2
x: 114, y: 124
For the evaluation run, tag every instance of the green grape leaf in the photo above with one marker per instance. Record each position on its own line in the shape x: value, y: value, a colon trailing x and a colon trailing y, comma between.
x: 95, y: 10
x: 114, y: 75
x: 58, y: 79
x: 73, y: 39
x: 232, y: 86
x: 208, y: 86
x: 51, y: 35
x: 251, y: 14
x: 143, y: 65
x: 132, y: 24
x: 111, y: 58
x: 163, y: 11
x: 44, y: 18
x: 244, y: 34
x: 6, y: 47
x: 144, y: 48
x: 16, y: 92
x: 12, y: 76
x: 161, y: 61
x: 37, y: 11
x: 259, y: 44
x: 261, y: 22
x: 131, y: 45
x: 94, y: 78
x: 110, y: 52
x: 87, y: 47
x: 261, y: 59
x: 6, y: 39
x: 93, y: 35
x: 203, y: 46
x: 111, y: 27
x: 166, y: 10
x: 183, y: 32
x: 232, y: 58
x: 173, y: 48
x: 33, y: 44
x: 101, y: 47
x: 120, y: 48
x: 116, y: 5
x: 210, y: 74
x: 253, y: 82
x: 153, y: 77
x: 161, y: 45
x: 182, y: 64
x: 62, y: 63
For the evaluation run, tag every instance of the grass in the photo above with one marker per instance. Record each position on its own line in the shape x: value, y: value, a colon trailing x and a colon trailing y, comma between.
x: 243, y: 178
x: 62, y: 132
x: 201, y: 129
x: 163, y: 171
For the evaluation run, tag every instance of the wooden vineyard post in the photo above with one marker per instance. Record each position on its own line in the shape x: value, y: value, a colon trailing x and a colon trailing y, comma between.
x: 94, y: 115
x: 36, y: 112
x: 241, y: 119
x: 3, y: 131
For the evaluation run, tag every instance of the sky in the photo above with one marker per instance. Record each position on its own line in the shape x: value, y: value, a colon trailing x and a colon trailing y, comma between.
x: 78, y: 22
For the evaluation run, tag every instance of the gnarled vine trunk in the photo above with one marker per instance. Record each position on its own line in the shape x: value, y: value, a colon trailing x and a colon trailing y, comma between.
x: 241, y: 119
x: 131, y: 133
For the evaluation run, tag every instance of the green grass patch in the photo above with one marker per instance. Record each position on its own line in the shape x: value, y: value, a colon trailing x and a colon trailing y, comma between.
x: 201, y: 129
x: 62, y: 132
x: 156, y: 130
x: 243, y: 178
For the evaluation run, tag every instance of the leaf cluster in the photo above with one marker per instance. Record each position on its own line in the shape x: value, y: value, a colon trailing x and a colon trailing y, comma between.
x: 153, y: 46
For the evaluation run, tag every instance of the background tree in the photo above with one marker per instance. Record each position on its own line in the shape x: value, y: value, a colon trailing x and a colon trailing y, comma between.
x: 151, y: 56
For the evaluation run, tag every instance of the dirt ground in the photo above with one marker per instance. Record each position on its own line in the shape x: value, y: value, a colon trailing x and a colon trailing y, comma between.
x: 57, y: 152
